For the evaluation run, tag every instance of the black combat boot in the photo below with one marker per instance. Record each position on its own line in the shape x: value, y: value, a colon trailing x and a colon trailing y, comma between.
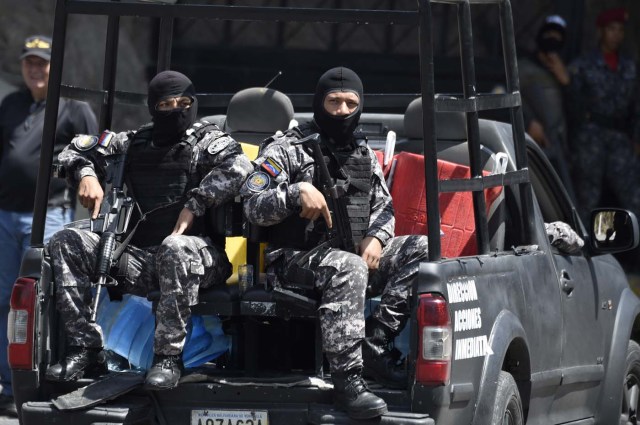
x: 165, y: 372
x: 79, y: 362
x: 352, y: 395
x: 380, y: 363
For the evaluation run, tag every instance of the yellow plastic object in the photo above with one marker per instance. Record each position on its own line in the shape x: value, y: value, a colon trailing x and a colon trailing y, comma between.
x: 236, y: 247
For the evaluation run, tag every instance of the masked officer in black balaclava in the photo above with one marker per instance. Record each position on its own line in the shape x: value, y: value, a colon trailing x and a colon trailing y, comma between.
x: 282, y: 193
x: 177, y: 168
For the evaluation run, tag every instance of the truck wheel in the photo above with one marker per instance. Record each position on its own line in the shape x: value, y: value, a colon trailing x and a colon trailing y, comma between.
x: 508, y: 406
x: 631, y: 386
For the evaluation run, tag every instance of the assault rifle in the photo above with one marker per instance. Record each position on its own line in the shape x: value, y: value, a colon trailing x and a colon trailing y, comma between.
x: 340, y: 234
x: 112, y: 221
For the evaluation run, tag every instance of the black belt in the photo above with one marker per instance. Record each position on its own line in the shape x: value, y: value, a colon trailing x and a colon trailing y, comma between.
x: 609, y: 122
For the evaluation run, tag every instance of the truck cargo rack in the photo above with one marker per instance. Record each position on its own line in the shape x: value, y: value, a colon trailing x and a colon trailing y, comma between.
x: 470, y: 102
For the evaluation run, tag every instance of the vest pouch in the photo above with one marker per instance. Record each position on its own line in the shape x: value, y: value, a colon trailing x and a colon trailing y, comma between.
x: 224, y: 220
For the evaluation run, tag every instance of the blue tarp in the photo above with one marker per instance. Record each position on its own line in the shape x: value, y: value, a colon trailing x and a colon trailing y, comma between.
x: 128, y: 330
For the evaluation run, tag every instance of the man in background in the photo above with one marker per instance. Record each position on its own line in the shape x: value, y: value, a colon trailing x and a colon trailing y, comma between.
x: 544, y: 80
x: 21, y: 125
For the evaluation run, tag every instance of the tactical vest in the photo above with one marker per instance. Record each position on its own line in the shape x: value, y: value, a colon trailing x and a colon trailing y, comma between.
x: 351, y: 170
x: 159, y: 179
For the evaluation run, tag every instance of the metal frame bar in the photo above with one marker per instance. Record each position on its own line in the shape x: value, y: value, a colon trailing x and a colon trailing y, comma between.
x: 110, y: 68
x: 243, y: 13
x: 517, y: 120
x: 219, y: 100
x: 50, y: 124
x: 165, y: 42
x: 427, y: 88
x: 473, y: 129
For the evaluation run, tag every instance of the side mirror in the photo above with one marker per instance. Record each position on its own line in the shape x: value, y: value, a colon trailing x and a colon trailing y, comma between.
x: 613, y: 230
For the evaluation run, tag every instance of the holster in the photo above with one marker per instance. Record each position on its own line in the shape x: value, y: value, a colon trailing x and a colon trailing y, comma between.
x: 300, y: 272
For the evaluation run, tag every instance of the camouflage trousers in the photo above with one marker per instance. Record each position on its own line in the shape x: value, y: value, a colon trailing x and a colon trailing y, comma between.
x: 177, y: 268
x: 343, y: 277
x: 605, y: 159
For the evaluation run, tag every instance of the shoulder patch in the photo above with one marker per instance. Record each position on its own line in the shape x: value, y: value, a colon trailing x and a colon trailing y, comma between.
x: 258, y: 181
x: 84, y: 142
x: 217, y: 145
x: 105, y: 138
x: 272, y: 167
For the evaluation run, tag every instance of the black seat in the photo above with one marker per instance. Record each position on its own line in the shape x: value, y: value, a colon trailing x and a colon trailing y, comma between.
x: 253, y: 114
x: 256, y: 113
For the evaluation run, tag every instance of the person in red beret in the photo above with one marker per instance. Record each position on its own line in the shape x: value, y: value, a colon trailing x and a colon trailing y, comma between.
x: 610, y: 25
x: 603, y: 102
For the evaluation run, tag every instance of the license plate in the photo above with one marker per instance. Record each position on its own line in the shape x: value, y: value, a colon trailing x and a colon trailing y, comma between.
x: 229, y: 417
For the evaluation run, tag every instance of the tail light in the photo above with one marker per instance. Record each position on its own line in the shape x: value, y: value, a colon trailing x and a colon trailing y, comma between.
x: 434, y: 326
x: 21, y: 324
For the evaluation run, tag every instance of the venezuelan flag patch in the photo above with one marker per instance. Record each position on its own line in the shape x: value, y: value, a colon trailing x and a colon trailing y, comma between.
x: 272, y: 167
x: 106, y: 138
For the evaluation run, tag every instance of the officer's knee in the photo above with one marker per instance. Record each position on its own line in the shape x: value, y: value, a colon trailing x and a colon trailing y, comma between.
x: 354, y: 263
x: 172, y: 244
x: 65, y: 238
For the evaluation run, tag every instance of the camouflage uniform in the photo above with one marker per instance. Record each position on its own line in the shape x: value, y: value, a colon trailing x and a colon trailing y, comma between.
x: 603, y: 107
x: 342, y: 277
x: 178, y: 267
x: 563, y: 237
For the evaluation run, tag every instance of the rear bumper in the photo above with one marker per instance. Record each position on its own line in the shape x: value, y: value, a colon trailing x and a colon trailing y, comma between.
x: 132, y: 412
x: 298, y: 400
x: 141, y: 411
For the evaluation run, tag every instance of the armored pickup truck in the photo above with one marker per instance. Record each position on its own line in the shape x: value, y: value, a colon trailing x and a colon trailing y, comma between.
x: 505, y: 328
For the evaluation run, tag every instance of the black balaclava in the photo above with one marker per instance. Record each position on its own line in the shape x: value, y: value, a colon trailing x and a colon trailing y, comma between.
x: 338, y: 128
x: 169, y: 126
x: 549, y: 44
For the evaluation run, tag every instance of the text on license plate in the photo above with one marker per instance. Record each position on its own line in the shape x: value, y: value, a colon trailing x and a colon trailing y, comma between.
x: 229, y: 417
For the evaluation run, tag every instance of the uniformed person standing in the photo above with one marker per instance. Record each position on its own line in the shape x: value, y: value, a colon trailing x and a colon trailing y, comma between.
x: 604, y: 108
x: 21, y: 127
x: 544, y: 80
x: 282, y: 193
x: 176, y: 169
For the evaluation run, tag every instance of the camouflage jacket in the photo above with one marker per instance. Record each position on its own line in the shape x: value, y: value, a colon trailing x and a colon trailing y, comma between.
x: 220, y: 160
x: 596, y: 89
x: 277, y: 198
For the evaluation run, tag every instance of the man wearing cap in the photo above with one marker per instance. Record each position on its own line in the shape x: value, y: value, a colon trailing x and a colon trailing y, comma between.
x: 604, y: 107
x: 177, y: 169
x: 282, y: 196
x: 543, y: 83
x: 21, y: 124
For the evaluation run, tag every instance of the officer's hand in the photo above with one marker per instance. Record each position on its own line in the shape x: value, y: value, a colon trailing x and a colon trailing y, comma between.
x: 556, y: 66
x: 370, y: 251
x: 536, y: 131
x: 90, y: 194
x: 313, y: 203
x: 184, y: 223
